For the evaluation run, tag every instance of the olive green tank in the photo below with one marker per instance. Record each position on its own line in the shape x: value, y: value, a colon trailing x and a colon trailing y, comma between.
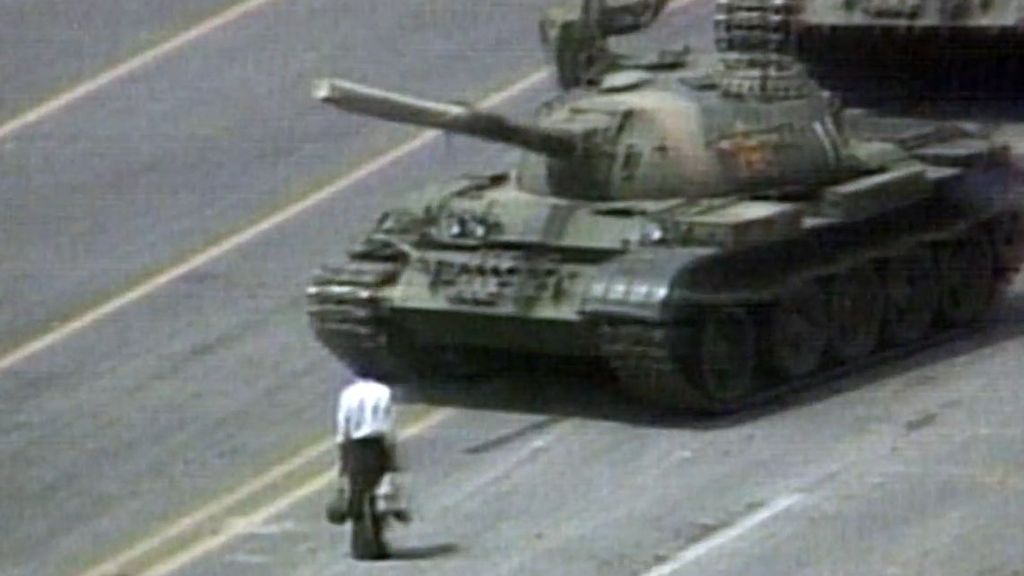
x: 710, y: 237
x: 903, y: 48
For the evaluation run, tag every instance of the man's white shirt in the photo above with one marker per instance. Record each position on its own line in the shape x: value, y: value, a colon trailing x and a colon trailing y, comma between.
x: 365, y: 411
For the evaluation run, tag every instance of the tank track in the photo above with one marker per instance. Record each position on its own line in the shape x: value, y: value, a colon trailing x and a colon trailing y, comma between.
x: 644, y: 359
x: 351, y: 321
x: 647, y: 371
x: 651, y: 360
x: 641, y: 357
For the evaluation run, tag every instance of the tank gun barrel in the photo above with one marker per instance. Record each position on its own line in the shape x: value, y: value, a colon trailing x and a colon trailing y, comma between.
x: 394, y: 107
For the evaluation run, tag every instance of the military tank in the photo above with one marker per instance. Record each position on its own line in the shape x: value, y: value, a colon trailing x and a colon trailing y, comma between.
x: 907, y: 49
x: 711, y: 238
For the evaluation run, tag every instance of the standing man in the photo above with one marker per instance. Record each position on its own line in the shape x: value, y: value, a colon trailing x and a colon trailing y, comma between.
x: 366, y: 447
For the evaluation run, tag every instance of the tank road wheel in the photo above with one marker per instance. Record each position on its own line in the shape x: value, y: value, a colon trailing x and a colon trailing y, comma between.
x: 967, y: 279
x: 912, y: 294
x: 721, y: 360
x: 644, y: 359
x: 855, y: 304
x: 796, y: 332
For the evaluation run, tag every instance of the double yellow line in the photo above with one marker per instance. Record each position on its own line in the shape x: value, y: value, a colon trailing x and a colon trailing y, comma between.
x: 224, y: 519
x: 182, y: 541
x: 57, y: 103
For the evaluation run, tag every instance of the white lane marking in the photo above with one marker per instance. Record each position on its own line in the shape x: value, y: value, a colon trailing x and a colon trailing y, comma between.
x: 68, y: 328
x: 86, y: 88
x: 250, y: 522
x: 244, y: 558
x: 111, y: 75
x: 246, y: 524
x: 725, y: 535
x: 200, y: 259
x: 212, y: 509
x: 275, y: 529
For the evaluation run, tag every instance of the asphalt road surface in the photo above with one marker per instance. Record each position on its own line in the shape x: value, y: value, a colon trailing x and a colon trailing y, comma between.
x: 188, y: 431
x: 912, y: 469
x: 210, y: 137
x: 51, y: 45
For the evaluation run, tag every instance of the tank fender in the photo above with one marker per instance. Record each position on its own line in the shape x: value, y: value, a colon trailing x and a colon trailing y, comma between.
x: 644, y: 285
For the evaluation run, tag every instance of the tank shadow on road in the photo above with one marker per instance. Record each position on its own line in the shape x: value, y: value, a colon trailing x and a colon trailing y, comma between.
x: 558, y: 388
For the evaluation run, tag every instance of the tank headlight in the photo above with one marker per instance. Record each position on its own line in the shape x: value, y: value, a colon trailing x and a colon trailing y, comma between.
x: 652, y: 233
x: 478, y: 229
x: 466, y: 226
x: 455, y: 226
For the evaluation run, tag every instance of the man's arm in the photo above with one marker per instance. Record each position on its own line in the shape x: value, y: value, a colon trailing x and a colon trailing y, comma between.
x: 341, y: 420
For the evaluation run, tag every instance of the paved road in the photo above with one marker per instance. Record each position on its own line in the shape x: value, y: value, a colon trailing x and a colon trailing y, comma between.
x: 50, y: 45
x: 914, y: 468
x: 190, y: 392
x: 191, y: 147
x: 143, y: 416
x: 917, y: 468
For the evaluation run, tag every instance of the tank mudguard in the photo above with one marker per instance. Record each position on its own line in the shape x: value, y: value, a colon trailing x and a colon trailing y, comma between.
x: 644, y: 285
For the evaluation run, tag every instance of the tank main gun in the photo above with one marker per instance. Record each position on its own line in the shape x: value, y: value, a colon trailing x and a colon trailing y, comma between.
x: 647, y: 141
x: 458, y: 118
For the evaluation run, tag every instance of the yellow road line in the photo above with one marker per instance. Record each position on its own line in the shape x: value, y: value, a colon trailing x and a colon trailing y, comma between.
x: 215, y: 507
x: 196, y: 519
x: 62, y: 331
x: 203, y: 257
x: 86, y: 88
x: 75, y: 324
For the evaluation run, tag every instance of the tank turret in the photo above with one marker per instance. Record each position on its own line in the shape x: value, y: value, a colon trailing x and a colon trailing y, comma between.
x: 642, y: 136
x: 572, y: 151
